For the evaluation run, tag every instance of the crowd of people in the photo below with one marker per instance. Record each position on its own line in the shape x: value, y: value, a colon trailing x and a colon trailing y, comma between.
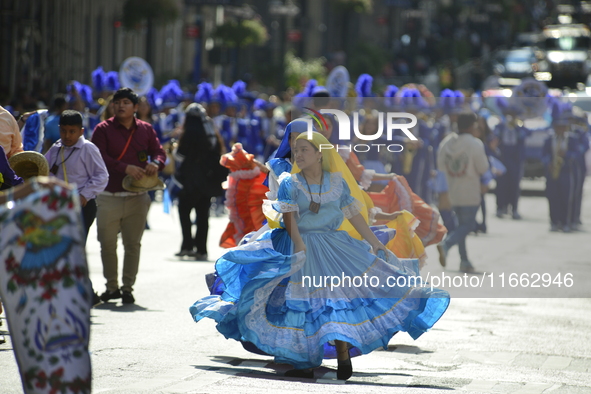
x: 296, y: 210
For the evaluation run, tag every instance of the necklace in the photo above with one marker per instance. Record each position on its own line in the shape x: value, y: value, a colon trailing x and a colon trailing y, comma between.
x: 55, y: 166
x: 314, y: 206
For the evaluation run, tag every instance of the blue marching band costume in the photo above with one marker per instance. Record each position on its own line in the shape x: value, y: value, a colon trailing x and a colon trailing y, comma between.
x: 563, y: 155
x: 511, y: 134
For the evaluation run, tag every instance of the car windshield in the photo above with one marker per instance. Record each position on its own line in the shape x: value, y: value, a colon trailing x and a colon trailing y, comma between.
x: 517, y: 58
x: 567, y: 43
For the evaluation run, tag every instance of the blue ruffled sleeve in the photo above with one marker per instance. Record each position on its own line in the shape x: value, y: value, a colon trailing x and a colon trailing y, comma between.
x: 286, y: 196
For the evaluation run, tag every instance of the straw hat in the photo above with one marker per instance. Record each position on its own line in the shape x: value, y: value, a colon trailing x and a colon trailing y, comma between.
x: 29, y: 164
x: 145, y: 184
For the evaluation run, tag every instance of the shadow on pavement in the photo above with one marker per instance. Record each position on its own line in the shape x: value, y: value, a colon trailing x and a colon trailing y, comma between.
x: 321, y: 374
x: 115, y: 307
x: 407, y: 349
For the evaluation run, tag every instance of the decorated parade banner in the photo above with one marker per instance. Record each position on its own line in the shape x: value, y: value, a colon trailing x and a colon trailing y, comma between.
x: 337, y: 82
x: 45, y: 290
x: 136, y: 73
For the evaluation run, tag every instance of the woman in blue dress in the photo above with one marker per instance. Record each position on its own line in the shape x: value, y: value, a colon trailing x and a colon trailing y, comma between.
x: 274, y: 296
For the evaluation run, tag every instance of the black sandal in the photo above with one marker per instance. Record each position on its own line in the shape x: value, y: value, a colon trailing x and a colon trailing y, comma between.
x: 345, y: 368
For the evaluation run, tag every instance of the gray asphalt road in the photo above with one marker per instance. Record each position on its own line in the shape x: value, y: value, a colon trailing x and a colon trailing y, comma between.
x: 485, y: 343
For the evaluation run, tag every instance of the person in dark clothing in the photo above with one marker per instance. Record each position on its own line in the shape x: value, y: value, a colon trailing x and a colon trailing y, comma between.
x: 201, y: 175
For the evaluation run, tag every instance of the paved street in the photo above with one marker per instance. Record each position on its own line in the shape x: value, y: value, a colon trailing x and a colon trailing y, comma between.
x: 485, y: 344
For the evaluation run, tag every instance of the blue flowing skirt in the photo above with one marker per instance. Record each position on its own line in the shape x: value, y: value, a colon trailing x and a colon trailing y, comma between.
x: 264, y: 302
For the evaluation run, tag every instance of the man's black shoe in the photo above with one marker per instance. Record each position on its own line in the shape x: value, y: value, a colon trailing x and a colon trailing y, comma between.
x: 127, y: 297
x: 110, y: 295
x: 96, y: 300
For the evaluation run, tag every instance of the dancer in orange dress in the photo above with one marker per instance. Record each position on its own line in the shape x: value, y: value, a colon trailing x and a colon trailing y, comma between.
x: 244, y: 195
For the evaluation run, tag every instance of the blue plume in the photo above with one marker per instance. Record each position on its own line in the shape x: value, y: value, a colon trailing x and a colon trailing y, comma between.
x: 221, y: 96
x: 412, y: 98
x: 448, y: 99
x: 259, y: 104
x: 171, y: 93
x: 204, y: 93
x: 112, y: 81
x: 229, y: 97
x: 154, y: 99
x: 239, y: 88
x: 309, y: 88
x: 86, y: 94
x: 216, y: 94
x: 99, y: 79
x: 391, y: 91
x: 175, y: 89
x: 363, y: 85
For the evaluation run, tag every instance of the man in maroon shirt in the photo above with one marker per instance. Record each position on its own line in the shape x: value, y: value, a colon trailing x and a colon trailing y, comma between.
x: 129, y: 146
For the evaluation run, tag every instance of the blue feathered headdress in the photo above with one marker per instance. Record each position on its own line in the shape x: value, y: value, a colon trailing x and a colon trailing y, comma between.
x: 225, y: 96
x: 363, y: 85
x: 204, y: 93
x: 390, y: 95
x: 154, y: 99
x: 363, y: 88
x: 112, y: 81
x: 412, y: 99
x: 85, y: 92
x: 99, y: 79
x: 259, y: 104
x: 239, y: 88
x: 447, y: 101
x: 301, y: 99
x: 171, y: 93
x: 309, y: 88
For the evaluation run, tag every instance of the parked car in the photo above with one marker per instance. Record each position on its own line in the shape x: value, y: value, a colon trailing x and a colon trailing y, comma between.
x: 567, y: 54
x: 516, y: 63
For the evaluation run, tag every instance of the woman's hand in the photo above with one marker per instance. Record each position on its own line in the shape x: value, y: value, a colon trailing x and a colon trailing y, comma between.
x: 384, y: 177
x: 375, y: 248
x: 388, y: 216
x: 261, y: 166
